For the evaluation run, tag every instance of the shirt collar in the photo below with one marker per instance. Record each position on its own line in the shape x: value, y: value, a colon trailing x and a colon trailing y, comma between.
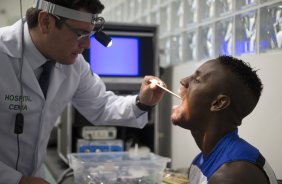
x: 31, y: 53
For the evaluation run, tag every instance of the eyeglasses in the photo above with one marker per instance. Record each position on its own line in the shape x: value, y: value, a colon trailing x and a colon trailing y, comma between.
x: 98, y: 26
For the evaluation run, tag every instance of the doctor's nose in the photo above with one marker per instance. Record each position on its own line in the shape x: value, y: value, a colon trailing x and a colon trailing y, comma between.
x: 84, y: 43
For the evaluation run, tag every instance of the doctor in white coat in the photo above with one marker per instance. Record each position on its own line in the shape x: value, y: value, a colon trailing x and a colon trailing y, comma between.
x: 50, y: 36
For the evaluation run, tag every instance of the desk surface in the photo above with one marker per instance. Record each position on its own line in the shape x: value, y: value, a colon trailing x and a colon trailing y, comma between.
x: 56, y: 166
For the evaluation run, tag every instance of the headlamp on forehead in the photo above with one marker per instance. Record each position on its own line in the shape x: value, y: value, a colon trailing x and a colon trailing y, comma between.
x: 68, y: 13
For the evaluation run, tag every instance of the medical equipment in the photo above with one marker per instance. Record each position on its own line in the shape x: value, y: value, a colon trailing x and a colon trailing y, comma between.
x: 133, y: 54
x: 61, y: 11
x: 125, y: 82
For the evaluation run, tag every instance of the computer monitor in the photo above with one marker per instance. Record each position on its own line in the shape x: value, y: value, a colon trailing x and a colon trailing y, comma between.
x: 131, y: 56
x: 120, y: 60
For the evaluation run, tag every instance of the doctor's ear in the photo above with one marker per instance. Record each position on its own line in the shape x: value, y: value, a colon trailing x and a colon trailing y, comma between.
x: 44, y: 22
x: 221, y: 102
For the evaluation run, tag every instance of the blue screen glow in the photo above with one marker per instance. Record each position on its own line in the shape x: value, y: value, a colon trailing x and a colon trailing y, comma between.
x: 121, y: 59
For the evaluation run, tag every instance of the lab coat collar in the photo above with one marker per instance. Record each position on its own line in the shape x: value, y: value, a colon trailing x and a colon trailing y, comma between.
x: 10, y: 43
x: 31, y: 53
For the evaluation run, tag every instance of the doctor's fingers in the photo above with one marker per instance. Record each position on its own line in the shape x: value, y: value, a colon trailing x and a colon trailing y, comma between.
x: 152, y: 81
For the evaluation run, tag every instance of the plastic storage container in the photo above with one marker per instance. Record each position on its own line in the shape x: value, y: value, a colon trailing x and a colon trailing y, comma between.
x: 117, y: 167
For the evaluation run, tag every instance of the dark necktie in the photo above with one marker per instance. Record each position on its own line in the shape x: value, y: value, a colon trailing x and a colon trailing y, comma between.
x: 45, y: 76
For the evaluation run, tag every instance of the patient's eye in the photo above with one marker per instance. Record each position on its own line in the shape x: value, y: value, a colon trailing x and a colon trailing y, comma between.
x: 196, y: 79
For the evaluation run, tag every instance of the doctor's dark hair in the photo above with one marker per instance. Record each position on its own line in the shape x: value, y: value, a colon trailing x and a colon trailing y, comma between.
x: 245, y: 72
x: 91, y: 6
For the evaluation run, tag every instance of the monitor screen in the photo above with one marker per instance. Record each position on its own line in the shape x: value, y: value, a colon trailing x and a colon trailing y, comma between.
x: 121, y: 59
x: 130, y: 56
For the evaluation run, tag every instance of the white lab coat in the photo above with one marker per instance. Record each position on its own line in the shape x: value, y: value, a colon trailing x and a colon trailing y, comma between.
x: 69, y: 83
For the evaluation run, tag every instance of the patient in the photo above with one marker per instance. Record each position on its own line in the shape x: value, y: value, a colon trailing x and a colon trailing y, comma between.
x: 215, y: 99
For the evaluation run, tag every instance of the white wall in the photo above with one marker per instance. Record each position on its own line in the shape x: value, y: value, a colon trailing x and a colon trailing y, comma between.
x: 262, y: 128
x: 10, y: 10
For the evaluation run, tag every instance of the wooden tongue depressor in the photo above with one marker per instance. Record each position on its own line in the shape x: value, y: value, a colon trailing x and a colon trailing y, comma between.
x: 154, y: 81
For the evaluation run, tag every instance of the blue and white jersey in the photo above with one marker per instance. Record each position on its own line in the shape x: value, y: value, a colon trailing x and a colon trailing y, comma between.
x: 229, y: 149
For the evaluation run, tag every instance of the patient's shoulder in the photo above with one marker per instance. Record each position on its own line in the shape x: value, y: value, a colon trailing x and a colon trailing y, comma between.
x: 239, y: 172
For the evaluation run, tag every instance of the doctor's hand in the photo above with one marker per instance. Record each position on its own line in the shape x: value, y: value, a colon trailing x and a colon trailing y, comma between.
x: 149, y: 93
x: 32, y: 180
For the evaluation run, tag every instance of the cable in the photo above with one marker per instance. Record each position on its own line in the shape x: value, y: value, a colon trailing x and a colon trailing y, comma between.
x: 22, y: 52
x: 18, y: 143
x: 66, y: 173
x: 19, y: 122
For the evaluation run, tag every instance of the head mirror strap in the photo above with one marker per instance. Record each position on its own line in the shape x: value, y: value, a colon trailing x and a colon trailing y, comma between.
x: 64, y: 12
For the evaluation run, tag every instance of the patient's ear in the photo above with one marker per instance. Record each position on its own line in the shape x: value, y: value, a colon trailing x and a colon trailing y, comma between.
x: 221, y: 102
